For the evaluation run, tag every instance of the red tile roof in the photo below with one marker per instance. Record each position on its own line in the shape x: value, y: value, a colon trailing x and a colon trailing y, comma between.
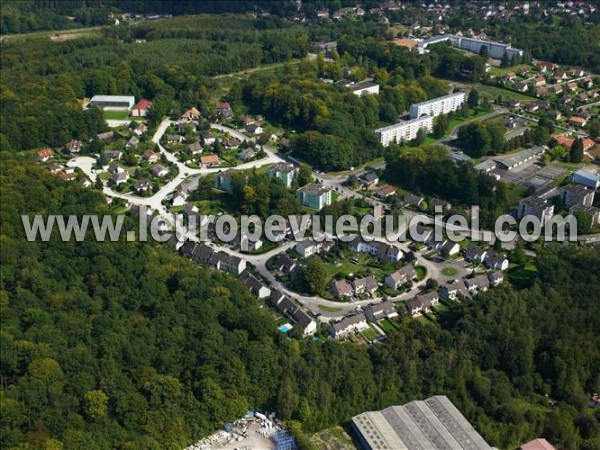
x: 45, y: 153
x: 143, y: 104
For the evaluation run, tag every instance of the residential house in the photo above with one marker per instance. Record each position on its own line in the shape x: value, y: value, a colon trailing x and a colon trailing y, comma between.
x: 480, y: 283
x: 577, y: 72
x: 179, y: 198
x: 159, y: 171
x: 120, y: 177
x: 133, y: 142
x: 341, y: 288
x: 314, y: 196
x: 348, y: 325
x: 194, y: 216
x: 223, y: 180
x: 309, y: 247
x: 454, y: 291
x: 190, y: 114
x: 511, y: 76
x: 247, y: 154
x: 379, y: 311
x: 231, y: 144
x: 209, y: 139
x: 67, y: 176
x: 284, y: 172
x: 187, y: 249
x: 303, y: 321
x: 194, y: 148
x: 45, y: 154
x: 207, y: 161
x: 140, y: 129
x: 369, y: 179
x: 107, y: 136
x: 442, y: 205
x: 234, y: 265
x: 175, y: 139
x: 496, y: 278
x: 413, y: 200
x: 254, y: 128
x: 201, y: 253
x: 537, y: 444
x: 385, y: 192
x: 113, y: 155
x: 450, y: 248
x: 400, y: 276
x: 366, y: 285
x: 115, y: 168
x: 577, y: 194
x: 254, y: 285
x: 142, y: 185
x: 224, y: 110
x: 381, y: 250
x: 140, y: 109
x: 495, y: 261
x: 183, y: 126
x: 151, y: 156
x: 284, y: 264
x: 55, y: 168
x: 521, y: 87
x: 73, y: 146
x: 474, y: 253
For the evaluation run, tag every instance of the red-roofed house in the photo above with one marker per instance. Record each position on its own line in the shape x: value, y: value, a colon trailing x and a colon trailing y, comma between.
x: 537, y: 444
x: 45, y: 154
x: 511, y: 76
x: 209, y: 161
x: 141, y: 108
x: 577, y: 121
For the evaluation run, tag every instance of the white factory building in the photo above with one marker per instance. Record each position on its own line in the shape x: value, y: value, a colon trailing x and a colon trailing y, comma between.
x: 112, y: 101
x: 437, y: 106
x: 404, y: 131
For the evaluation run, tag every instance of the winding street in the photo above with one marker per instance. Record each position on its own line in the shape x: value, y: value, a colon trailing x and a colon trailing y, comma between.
x: 331, y: 309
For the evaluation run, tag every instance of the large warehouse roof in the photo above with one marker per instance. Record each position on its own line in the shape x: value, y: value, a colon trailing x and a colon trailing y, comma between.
x: 419, y: 425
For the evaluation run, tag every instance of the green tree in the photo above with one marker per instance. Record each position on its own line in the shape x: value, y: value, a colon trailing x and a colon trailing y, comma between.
x: 96, y: 404
x: 473, y: 98
x: 315, y: 275
x: 576, y: 152
x: 305, y: 175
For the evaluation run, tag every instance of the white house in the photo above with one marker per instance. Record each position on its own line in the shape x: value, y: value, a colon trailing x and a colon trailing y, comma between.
x: 348, y: 325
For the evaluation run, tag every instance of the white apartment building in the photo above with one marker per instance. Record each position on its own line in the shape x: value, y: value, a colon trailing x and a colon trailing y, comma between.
x: 437, y: 106
x: 404, y: 131
x: 496, y: 50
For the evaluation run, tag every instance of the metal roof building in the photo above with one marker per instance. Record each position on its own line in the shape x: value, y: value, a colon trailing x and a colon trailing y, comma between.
x: 432, y: 424
x: 112, y: 101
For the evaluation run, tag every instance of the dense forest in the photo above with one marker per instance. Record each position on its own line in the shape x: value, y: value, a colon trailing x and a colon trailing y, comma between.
x: 127, y: 345
x: 44, y: 81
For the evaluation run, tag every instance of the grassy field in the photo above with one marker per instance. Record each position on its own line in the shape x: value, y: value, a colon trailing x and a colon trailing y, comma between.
x: 449, y: 271
x: 115, y: 115
x: 499, y: 71
x: 522, y: 275
x: 495, y: 91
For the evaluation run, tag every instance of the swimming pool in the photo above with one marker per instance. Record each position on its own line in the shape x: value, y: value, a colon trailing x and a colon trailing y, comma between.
x: 285, y: 328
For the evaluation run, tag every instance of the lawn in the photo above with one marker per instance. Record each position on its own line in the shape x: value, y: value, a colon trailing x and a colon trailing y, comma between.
x: 449, y: 271
x: 370, y: 334
x: 329, y: 308
x: 495, y: 91
x: 387, y: 325
x: 115, y: 115
x: 499, y: 71
x: 421, y: 272
x: 456, y: 121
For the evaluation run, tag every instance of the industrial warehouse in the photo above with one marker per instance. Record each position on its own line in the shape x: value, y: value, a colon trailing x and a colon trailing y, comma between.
x: 432, y: 424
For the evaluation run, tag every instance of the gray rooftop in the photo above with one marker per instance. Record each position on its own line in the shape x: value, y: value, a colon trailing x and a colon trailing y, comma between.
x: 419, y: 425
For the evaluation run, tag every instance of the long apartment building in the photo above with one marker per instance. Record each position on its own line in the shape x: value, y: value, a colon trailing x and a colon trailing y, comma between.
x: 404, y: 131
x: 437, y: 106
x: 495, y: 49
